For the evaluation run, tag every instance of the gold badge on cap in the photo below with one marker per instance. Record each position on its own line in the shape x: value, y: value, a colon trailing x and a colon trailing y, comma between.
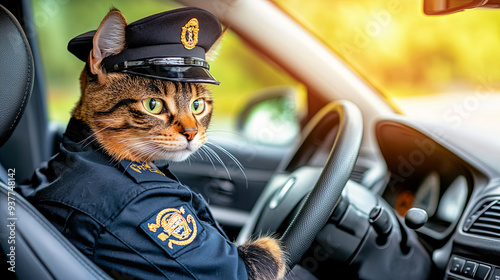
x: 175, y: 226
x: 189, y: 35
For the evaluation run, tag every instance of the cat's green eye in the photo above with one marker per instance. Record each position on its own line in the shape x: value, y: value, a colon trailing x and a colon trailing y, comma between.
x: 153, y: 105
x: 198, y: 106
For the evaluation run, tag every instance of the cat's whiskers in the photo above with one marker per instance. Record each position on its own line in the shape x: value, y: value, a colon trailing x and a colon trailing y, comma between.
x: 148, y: 159
x: 92, y: 135
x: 145, y: 149
x: 218, y: 159
x: 230, y: 156
x: 137, y: 138
x: 202, y: 148
x: 154, y: 151
x: 240, y: 166
x: 141, y: 151
x: 168, y: 144
x: 198, y: 153
x: 96, y: 132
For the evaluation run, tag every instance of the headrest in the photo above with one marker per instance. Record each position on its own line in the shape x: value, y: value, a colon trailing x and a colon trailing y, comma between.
x: 16, y: 73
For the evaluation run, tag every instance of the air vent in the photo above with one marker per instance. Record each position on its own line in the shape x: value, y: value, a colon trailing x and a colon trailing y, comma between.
x: 485, y: 221
x: 358, y: 173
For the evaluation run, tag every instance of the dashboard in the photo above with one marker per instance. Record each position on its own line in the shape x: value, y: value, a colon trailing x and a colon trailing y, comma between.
x: 438, y: 169
x: 424, y: 174
x: 453, y: 176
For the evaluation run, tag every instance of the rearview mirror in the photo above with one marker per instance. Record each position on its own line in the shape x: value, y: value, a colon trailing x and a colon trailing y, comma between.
x: 443, y: 7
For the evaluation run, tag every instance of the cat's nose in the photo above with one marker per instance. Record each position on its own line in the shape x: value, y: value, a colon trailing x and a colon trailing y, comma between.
x: 190, y: 133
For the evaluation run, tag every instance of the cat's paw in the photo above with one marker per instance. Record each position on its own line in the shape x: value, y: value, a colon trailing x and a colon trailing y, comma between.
x: 264, y: 259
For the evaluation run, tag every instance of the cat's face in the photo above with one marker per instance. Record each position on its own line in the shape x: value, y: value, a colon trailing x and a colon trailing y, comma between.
x: 139, y: 118
x: 145, y: 119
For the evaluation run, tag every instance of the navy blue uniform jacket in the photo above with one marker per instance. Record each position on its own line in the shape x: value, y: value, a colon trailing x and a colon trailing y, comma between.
x: 131, y: 219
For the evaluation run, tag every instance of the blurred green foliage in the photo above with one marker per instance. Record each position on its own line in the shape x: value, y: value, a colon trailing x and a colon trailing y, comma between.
x: 240, y: 71
x: 401, y: 51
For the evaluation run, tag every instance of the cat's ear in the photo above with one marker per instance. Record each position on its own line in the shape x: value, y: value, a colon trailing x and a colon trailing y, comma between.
x: 108, y: 40
x: 212, y: 54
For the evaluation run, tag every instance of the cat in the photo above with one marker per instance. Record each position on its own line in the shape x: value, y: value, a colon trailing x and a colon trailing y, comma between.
x: 143, y: 119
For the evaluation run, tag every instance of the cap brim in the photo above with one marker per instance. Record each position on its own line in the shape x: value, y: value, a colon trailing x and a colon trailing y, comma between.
x: 187, y: 74
x: 81, y: 45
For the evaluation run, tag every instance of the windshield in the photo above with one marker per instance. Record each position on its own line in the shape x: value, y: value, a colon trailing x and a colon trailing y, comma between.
x: 442, y: 69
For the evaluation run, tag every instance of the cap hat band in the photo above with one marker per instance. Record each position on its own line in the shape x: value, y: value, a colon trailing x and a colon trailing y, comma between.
x: 164, y: 62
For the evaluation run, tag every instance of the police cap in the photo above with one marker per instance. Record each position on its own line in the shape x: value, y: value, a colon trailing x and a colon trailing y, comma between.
x: 169, y: 45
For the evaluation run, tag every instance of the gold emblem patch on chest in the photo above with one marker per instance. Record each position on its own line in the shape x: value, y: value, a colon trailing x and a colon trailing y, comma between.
x: 175, y: 226
x: 189, y: 34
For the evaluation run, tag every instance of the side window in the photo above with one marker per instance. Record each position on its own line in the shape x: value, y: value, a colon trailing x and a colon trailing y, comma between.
x: 248, y: 80
x: 255, y: 97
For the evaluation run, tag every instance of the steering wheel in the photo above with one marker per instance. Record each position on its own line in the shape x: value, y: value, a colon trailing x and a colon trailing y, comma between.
x: 283, y: 198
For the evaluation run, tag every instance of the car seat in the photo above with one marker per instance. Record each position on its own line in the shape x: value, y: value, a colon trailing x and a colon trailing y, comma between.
x: 31, y: 246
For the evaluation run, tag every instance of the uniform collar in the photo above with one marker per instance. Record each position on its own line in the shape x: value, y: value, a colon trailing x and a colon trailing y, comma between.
x: 81, y: 133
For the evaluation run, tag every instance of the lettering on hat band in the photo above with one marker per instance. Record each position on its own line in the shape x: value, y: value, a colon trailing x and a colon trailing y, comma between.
x: 189, y: 34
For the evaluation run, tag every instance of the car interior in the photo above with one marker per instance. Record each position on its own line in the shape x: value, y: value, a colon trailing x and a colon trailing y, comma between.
x: 363, y: 193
